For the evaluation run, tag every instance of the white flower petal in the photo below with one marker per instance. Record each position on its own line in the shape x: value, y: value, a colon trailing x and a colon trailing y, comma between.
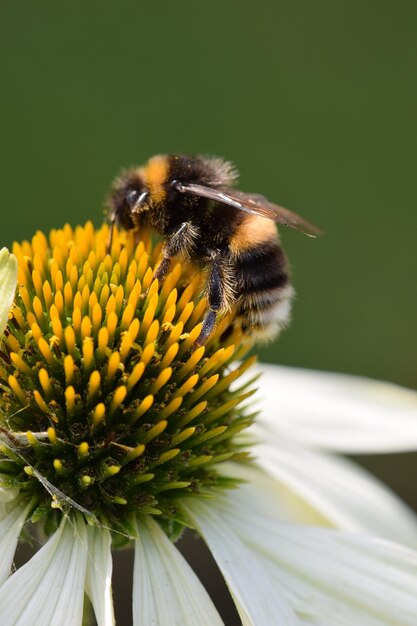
x: 166, y: 592
x: 255, y: 596
x: 98, y: 577
x: 329, y: 578
x: 49, y: 589
x: 8, y: 494
x: 349, y: 497
x: 8, y: 282
x: 338, y: 412
x: 13, y: 518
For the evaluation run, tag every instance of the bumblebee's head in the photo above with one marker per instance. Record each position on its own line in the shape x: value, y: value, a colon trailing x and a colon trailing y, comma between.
x: 128, y: 198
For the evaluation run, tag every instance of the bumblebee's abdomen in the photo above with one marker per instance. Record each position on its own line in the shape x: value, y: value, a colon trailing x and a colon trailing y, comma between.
x: 264, y: 292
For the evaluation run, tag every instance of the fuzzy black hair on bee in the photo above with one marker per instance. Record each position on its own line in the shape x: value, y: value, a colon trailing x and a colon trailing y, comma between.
x: 192, y: 204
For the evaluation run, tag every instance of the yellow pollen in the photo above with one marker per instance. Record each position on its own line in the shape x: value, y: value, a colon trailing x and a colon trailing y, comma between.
x: 134, y: 328
x: 52, y: 434
x: 83, y: 449
x: 85, y: 296
x: 188, y: 309
x: 153, y: 290
x: 199, y: 310
x: 45, y: 351
x: 92, y: 301
x: 136, y: 375
x: 205, y: 387
x: 149, y: 315
x: 127, y: 316
x: 70, y: 339
x: 41, y: 402
x: 73, y: 277
x: 99, y: 414
x: 70, y: 399
x: 187, y: 386
x: 143, y: 268
x: 169, y: 314
x: 68, y: 369
x: 191, y: 363
x: 169, y: 293
x: 169, y: 355
x: 185, y: 297
x: 59, y: 303
x: 152, y: 332
x: 47, y: 294
x: 58, y: 466
x: 167, y: 456
x: 147, y: 279
x: 31, y: 438
x: 111, y: 326
x: 35, y: 330
x: 88, y: 354
x: 97, y: 317
x: 170, y: 408
x: 119, y: 396
x: 27, y: 301
x: 103, y: 338
x: 85, y: 327
x: 38, y: 309
x: 125, y: 345
x: 37, y: 282
x: 76, y: 320
x: 134, y: 453
x: 94, y: 383
x: 111, y: 305
x: 18, y: 315
x: 20, y: 364
x: 45, y: 383
x: 13, y: 343
x: 104, y: 296
x: 191, y: 415
x: 112, y: 470
x: 217, y: 359
x: 68, y: 297
x: 119, y: 299
x: 189, y: 341
x: 148, y: 353
x: 78, y: 301
x: 112, y: 365
x: 182, y: 436
x: 155, y: 431
x: 144, y: 406
x: 57, y: 327
x: 161, y: 380
x: 59, y: 281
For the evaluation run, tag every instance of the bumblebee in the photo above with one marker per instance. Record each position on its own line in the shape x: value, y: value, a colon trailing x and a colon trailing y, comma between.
x: 192, y: 204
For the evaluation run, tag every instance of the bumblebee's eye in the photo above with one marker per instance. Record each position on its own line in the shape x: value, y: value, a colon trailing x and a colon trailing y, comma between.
x: 132, y: 197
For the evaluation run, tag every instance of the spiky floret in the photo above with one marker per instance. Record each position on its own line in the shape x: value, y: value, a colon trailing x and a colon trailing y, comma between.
x: 105, y: 405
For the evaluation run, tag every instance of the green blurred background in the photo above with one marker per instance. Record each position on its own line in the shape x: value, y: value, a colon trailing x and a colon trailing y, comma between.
x: 316, y: 104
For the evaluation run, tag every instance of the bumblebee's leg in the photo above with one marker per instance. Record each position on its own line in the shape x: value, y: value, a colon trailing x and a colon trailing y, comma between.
x: 217, y: 296
x: 180, y: 240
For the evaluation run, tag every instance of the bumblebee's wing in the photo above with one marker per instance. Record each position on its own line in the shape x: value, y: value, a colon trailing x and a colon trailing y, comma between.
x: 252, y: 203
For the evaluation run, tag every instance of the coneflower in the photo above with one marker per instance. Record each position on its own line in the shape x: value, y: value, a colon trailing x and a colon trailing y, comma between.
x: 115, y: 429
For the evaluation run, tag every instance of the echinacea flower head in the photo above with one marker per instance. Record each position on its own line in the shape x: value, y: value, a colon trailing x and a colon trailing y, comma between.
x: 116, y: 428
x: 106, y: 406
